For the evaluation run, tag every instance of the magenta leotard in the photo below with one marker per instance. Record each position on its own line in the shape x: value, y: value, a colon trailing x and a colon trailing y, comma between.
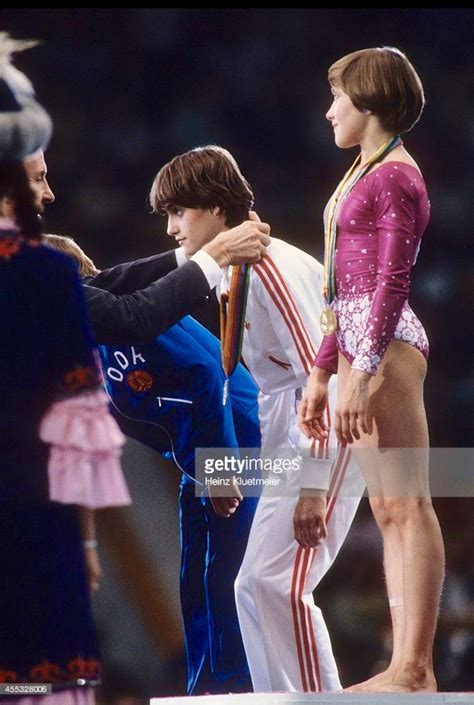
x: 380, y: 225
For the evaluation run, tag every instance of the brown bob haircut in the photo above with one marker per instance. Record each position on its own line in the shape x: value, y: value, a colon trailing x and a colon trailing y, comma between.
x: 204, y: 177
x: 66, y: 244
x: 383, y: 81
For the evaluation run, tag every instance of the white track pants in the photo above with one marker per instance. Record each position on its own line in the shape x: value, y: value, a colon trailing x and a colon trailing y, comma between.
x: 285, y: 637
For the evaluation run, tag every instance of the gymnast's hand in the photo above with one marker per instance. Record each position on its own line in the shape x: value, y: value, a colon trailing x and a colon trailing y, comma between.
x: 309, y: 519
x: 225, y: 506
x: 313, y: 405
x: 351, y: 411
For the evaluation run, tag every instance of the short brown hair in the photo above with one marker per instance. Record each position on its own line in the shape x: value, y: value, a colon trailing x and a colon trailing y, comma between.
x: 204, y: 177
x: 66, y: 244
x: 383, y: 81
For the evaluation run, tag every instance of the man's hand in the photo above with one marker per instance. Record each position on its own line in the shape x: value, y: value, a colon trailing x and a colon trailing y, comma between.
x: 245, y: 243
x: 228, y: 505
x: 309, y: 520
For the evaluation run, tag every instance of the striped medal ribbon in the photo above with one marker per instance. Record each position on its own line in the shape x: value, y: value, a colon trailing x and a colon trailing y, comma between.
x: 232, y: 318
x: 328, y: 318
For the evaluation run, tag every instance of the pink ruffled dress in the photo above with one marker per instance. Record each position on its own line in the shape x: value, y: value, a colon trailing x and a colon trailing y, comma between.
x: 59, y: 447
x: 85, y: 446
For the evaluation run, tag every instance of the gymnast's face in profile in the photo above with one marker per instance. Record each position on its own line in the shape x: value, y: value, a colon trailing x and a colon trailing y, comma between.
x: 192, y: 228
x: 347, y: 121
x: 36, y: 171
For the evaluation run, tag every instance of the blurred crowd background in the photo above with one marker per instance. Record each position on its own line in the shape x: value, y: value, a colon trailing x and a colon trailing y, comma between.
x: 128, y: 89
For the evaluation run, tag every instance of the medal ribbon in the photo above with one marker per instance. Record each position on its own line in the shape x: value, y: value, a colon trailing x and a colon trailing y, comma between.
x: 232, y: 317
x: 348, y: 182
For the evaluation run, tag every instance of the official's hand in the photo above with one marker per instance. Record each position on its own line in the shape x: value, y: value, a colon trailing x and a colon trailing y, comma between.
x: 246, y: 242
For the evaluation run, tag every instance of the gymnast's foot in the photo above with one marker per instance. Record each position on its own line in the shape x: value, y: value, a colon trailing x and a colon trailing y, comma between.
x: 370, y: 683
x: 398, y: 681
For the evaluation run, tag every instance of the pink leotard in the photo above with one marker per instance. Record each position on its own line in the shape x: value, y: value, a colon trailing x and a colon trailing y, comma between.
x: 380, y: 225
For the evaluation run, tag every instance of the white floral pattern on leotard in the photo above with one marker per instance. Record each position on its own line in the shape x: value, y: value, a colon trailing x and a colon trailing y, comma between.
x: 353, y: 313
x: 380, y: 226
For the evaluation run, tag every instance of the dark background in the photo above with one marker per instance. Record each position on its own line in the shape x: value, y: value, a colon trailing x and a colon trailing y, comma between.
x: 128, y: 89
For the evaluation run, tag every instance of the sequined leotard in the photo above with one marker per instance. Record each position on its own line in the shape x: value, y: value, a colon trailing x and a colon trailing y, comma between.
x: 380, y: 226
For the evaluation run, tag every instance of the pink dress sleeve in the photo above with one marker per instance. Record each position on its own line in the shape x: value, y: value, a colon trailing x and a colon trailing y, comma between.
x: 85, y: 447
x: 396, y: 202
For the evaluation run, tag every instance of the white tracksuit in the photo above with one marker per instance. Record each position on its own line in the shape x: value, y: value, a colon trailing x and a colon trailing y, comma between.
x: 285, y: 637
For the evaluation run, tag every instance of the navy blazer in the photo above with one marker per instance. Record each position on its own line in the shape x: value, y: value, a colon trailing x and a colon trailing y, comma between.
x: 135, y: 302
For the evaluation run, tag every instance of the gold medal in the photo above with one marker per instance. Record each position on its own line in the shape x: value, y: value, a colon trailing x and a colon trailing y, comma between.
x: 351, y: 177
x: 328, y: 321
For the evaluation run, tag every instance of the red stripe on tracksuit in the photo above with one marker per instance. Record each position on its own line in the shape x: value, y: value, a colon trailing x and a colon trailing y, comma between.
x: 276, y: 286
x: 313, y: 642
x: 283, y: 283
x: 303, y: 561
x: 304, y: 627
x: 286, y: 305
x: 294, y: 610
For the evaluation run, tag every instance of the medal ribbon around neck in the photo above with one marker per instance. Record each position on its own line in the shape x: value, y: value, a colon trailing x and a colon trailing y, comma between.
x: 232, y: 318
x: 330, y: 221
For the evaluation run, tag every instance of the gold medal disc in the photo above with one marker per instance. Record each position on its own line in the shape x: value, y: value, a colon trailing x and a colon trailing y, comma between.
x: 328, y: 321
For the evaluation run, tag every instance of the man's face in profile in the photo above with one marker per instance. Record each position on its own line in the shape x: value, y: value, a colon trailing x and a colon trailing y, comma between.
x: 36, y: 172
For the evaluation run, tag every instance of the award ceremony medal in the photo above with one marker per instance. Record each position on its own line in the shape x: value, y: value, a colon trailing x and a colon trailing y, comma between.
x: 328, y: 317
x: 328, y: 321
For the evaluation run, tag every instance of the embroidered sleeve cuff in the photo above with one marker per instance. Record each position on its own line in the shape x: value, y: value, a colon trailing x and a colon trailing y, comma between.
x: 315, y: 473
x: 209, y: 266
